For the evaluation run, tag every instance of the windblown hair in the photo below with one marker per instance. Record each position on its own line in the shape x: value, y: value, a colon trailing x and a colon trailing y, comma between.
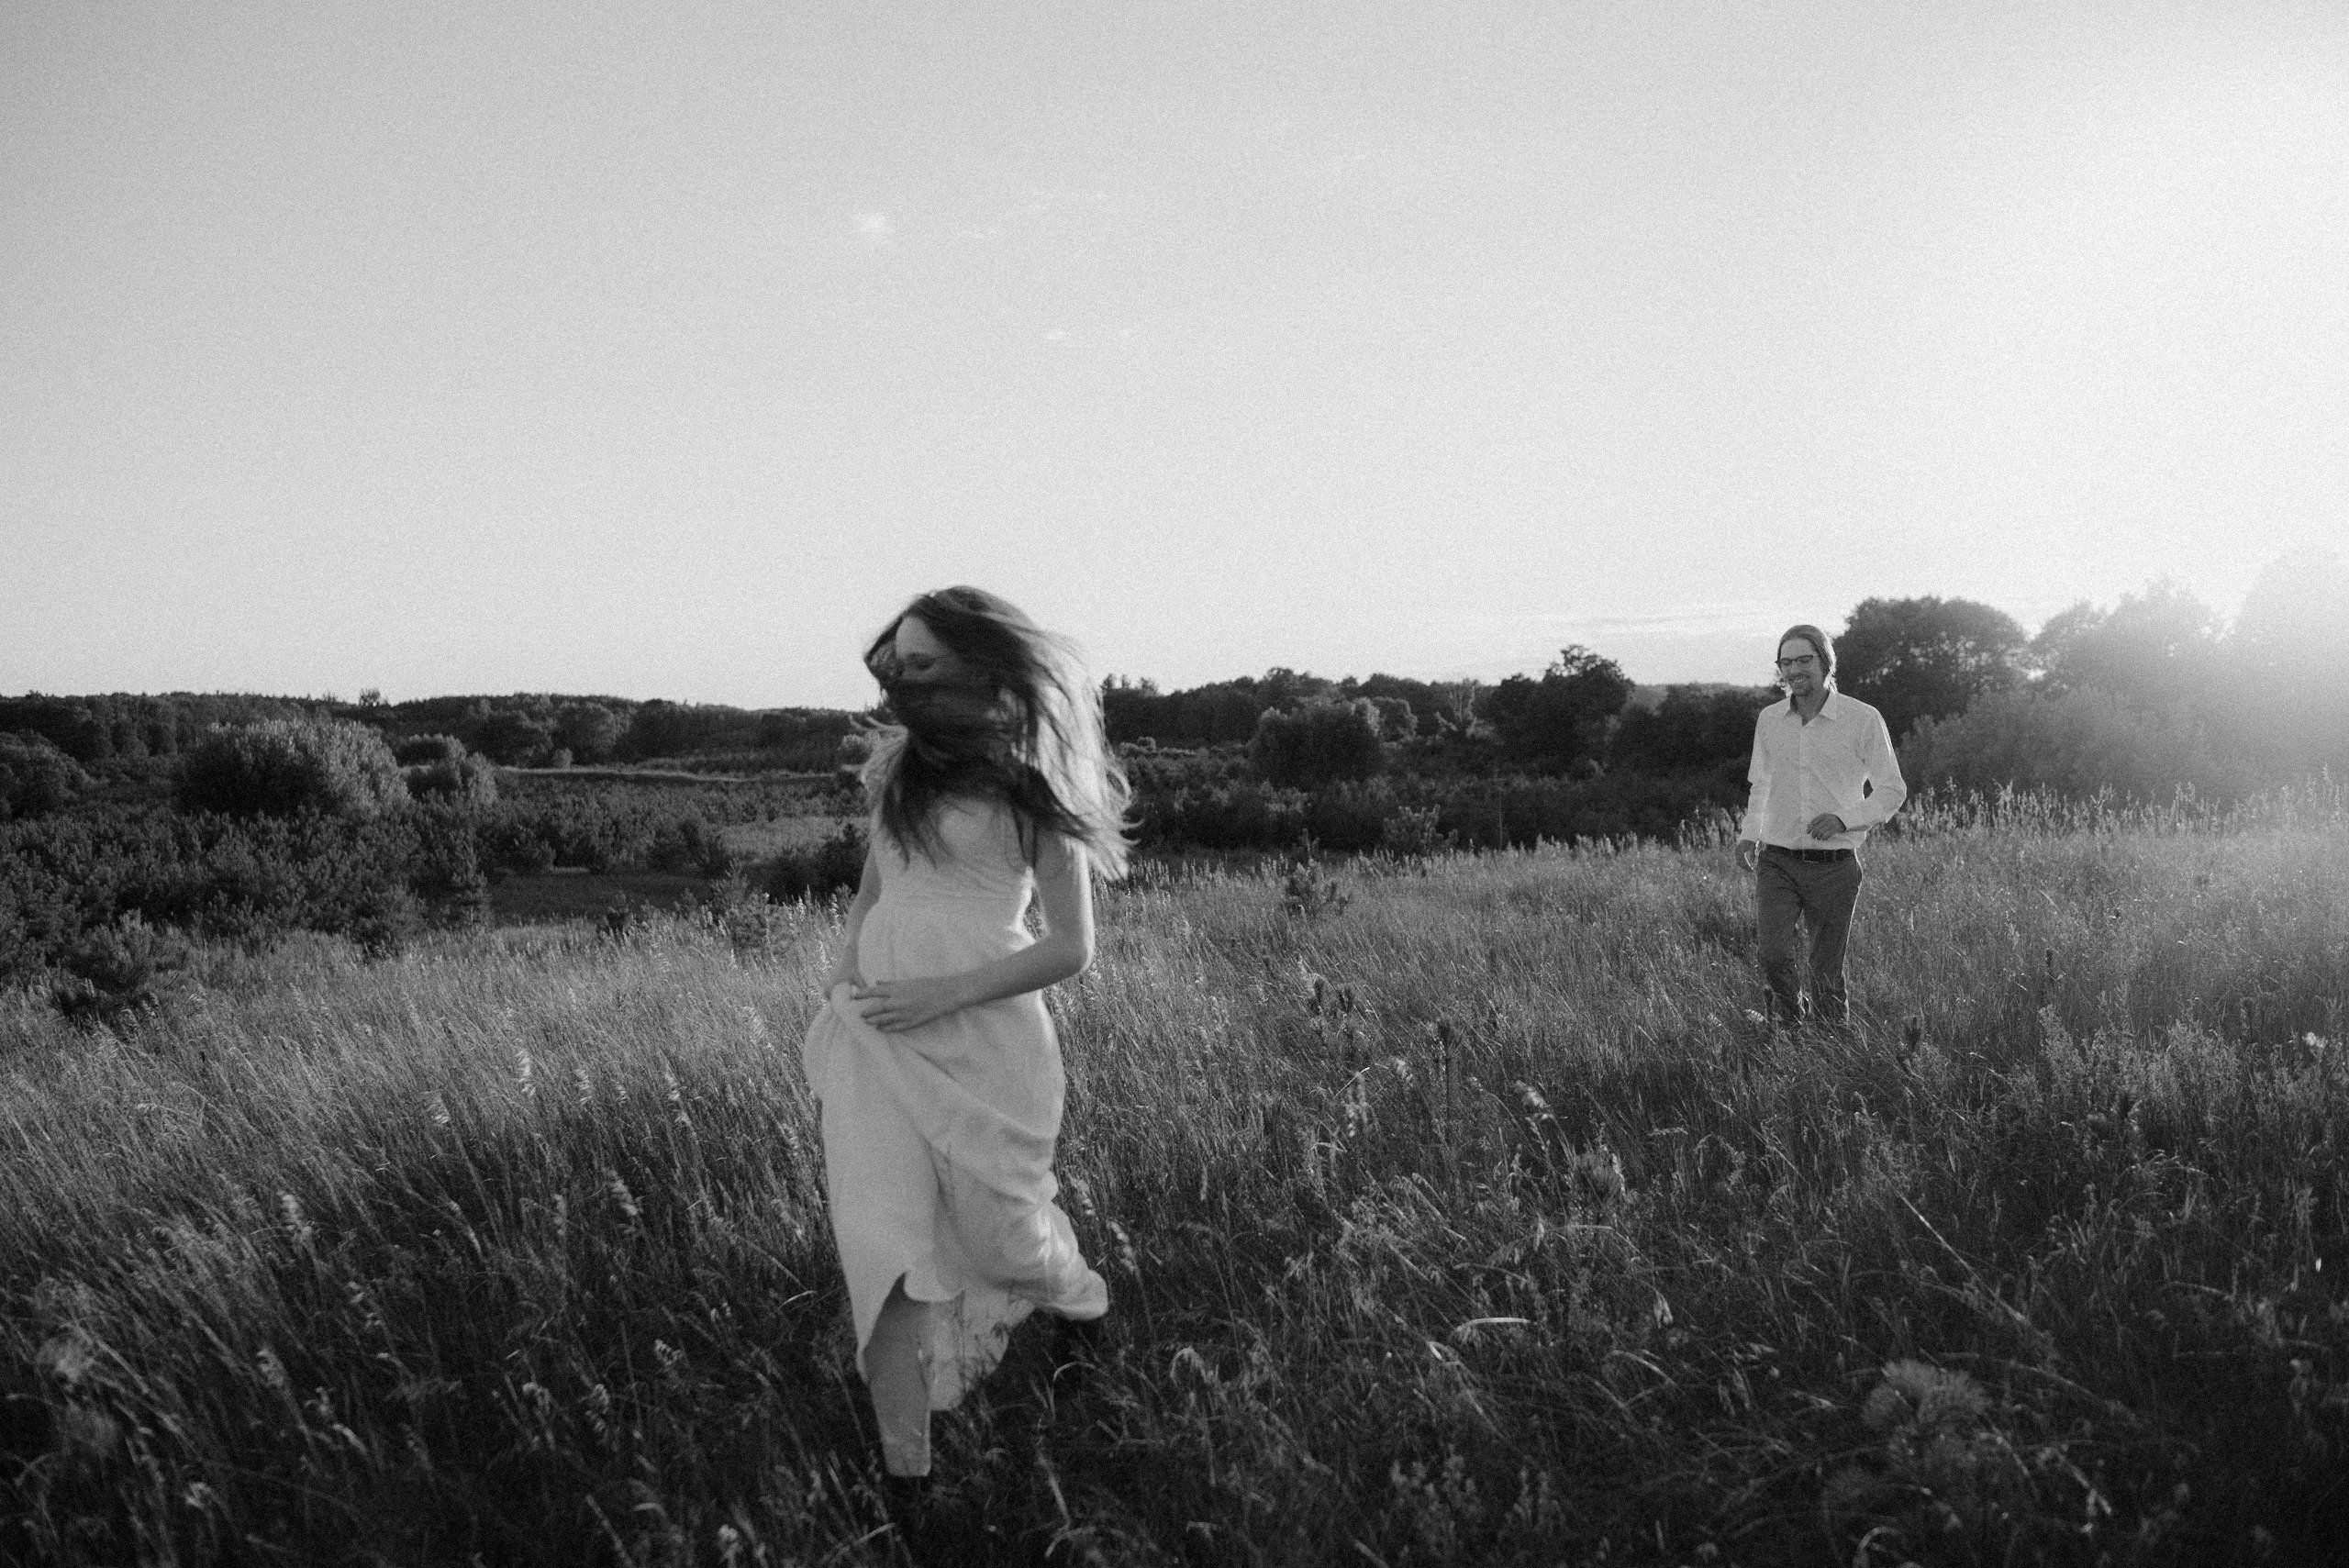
x: 1020, y: 722
x: 1819, y: 643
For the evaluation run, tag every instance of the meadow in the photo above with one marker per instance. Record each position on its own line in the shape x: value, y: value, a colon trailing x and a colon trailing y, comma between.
x: 1458, y: 1211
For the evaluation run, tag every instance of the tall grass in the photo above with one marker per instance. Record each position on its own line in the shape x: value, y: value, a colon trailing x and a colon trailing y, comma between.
x: 1471, y: 1217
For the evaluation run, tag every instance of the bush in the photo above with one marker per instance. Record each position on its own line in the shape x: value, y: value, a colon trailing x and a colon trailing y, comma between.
x: 587, y: 730
x: 35, y: 777
x: 514, y: 739
x: 21, y: 957
x: 1692, y: 727
x: 1244, y: 815
x: 287, y: 767
x: 421, y: 750
x: 1412, y: 830
x: 1550, y: 724
x: 1519, y: 812
x: 242, y: 878
x: 820, y: 869
x: 2075, y: 743
x: 1349, y: 819
x: 688, y: 846
x: 1320, y: 743
x: 109, y: 974
x: 466, y: 781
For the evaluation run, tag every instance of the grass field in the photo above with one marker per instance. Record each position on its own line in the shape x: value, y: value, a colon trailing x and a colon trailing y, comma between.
x: 1471, y: 1221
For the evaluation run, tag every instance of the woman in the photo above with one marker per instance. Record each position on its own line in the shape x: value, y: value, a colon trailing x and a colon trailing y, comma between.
x: 933, y: 1057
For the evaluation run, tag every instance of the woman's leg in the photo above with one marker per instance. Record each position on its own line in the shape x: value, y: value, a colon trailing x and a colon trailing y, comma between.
x: 899, y: 1384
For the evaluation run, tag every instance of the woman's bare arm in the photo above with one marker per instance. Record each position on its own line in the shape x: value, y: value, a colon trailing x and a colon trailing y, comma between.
x: 1063, y: 892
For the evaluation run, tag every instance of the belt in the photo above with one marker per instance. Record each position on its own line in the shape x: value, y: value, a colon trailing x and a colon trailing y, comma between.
x: 1806, y: 854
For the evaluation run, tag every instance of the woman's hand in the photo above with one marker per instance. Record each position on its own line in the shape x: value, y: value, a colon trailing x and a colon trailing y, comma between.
x: 895, y: 1006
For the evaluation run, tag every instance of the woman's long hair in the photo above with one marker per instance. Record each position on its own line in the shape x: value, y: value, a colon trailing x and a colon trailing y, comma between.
x: 1019, y: 720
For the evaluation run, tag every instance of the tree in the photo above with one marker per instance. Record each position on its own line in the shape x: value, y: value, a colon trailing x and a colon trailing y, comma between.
x: 1317, y: 744
x: 1395, y: 719
x: 1926, y: 658
x: 2073, y: 743
x: 1550, y: 724
x: 419, y: 750
x: 1692, y: 727
x: 35, y: 777
x: 2155, y: 648
x: 2294, y: 625
x: 1131, y: 709
x: 588, y: 730
x: 2289, y: 657
x: 1283, y: 688
x: 463, y: 781
x: 285, y: 767
x: 513, y: 739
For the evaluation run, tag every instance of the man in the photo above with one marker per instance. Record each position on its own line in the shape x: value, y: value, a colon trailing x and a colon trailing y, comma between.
x: 1822, y: 774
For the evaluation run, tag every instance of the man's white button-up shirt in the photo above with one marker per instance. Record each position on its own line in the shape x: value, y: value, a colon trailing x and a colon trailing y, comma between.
x: 1841, y: 761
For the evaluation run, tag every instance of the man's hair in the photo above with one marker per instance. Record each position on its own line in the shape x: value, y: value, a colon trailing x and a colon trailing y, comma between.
x: 1820, y: 644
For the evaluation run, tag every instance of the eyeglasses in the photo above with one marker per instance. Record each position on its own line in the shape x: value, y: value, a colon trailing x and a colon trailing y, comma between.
x: 1804, y: 662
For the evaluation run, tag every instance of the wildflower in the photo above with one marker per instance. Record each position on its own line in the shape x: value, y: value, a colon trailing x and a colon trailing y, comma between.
x: 1925, y: 1398
x: 624, y: 1198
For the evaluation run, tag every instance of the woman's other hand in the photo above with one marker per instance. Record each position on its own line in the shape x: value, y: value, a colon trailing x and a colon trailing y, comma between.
x: 895, y: 1006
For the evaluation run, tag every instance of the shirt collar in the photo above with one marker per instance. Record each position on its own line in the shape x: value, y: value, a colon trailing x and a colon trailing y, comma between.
x: 1826, y: 709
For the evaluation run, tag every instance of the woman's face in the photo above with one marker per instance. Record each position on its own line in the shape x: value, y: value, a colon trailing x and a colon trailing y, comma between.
x: 921, y: 658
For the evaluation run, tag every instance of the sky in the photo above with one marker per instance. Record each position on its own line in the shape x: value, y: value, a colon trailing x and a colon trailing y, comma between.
x: 666, y: 350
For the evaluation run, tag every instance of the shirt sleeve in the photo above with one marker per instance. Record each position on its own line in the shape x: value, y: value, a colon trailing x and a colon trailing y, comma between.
x: 1883, y: 766
x: 1757, y: 785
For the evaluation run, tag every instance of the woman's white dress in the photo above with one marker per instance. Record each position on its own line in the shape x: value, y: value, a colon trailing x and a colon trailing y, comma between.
x: 938, y: 1141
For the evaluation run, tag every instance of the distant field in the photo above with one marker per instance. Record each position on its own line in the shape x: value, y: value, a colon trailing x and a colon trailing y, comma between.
x: 571, y: 894
x: 758, y: 841
x: 576, y: 894
x: 656, y: 774
x: 1467, y: 1220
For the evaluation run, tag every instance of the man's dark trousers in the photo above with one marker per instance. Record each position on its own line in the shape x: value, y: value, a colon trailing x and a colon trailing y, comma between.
x: 1820, y: 887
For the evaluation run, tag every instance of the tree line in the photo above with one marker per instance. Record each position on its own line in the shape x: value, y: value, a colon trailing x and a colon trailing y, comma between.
x: 51, y: 747
x: 2140, y: 699
x: 2155, y: 693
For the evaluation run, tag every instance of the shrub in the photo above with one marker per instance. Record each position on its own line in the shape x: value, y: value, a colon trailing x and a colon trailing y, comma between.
x: 2075, y: 743
x: 588, y: 730
x: 35, y: 777
x: 420, y: 751
x: 821, y: 869
x: 688, y: 846
x: 514, y: 738
x: 285, y: 767
x: 1412, y: 830
x: 1349, y: 819
x: 20, y: 954
x: 1517, y: 812
x: 1244, y: 815
x: 109, y: 974
x: 1318, y: 744
x: 1692, y: 727
x: 444, y: 873
x: 460, y: 780
x: 1550, y: 724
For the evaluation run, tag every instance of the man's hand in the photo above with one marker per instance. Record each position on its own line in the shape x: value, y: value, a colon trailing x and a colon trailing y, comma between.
x: 1826, y: 824
x: 895, y: 1006
x: 1749, y: 854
